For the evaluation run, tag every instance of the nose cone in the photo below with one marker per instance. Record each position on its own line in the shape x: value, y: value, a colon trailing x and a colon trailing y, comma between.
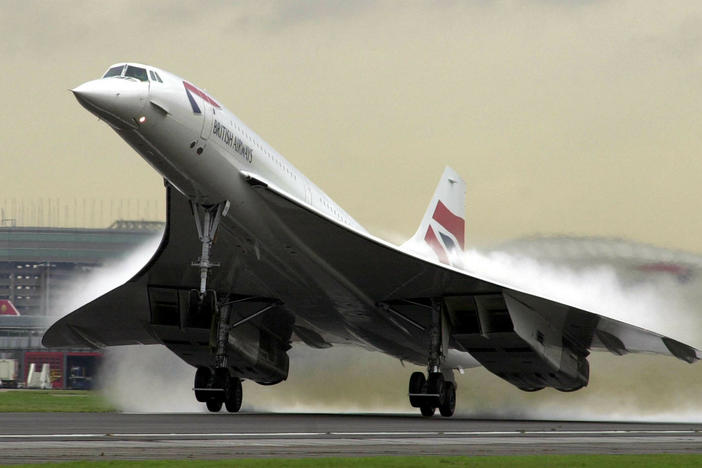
x: 117, y: 101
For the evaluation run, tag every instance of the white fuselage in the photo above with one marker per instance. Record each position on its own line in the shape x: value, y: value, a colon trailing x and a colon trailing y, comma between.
x: 194, y: 142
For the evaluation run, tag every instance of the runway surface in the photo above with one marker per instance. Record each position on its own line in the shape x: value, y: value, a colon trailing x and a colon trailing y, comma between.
x: 36, y: 437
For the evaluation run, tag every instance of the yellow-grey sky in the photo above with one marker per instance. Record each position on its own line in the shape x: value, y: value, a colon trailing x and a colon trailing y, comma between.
x: 578, y: 117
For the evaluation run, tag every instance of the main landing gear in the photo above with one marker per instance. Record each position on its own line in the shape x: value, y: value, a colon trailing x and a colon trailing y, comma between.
x: 432, y: 393
x: 218, y: 388
x: 437, y: 389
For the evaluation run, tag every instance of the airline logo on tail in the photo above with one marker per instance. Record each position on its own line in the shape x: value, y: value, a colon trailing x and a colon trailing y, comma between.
x: 451, y: 233
x: 443, y: 226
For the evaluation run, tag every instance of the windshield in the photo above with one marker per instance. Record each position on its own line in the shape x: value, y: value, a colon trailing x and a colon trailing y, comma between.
x: 114, y: 71
x: 136, y: 72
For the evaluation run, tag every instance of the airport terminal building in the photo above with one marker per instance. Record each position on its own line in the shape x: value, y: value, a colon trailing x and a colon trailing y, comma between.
x: 39, y: 267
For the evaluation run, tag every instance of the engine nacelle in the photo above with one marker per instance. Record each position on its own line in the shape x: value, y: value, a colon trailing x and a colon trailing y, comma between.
x: 514, y: 341
x: 259, y: 351
x: 569, y: 371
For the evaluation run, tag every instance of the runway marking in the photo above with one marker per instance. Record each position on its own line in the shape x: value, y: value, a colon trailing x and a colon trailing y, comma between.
x: 347, y: 434
x: 605, y: 432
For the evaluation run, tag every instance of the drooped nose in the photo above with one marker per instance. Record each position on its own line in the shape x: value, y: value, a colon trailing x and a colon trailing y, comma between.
x: 117, y: 101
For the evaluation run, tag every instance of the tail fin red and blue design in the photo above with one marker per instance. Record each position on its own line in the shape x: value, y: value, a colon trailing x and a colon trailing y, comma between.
x: 443, y: 227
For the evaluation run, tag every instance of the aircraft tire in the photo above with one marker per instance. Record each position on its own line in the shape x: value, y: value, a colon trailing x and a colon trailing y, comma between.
x: 214, y: 405
x: 417, y: 384
x: 202, y: 378
x: 233, y: 395
x: 531, y: 389
x: 571, y: 389
x: 435, y: 385
x: 427, y: 410
x: 448, y: 404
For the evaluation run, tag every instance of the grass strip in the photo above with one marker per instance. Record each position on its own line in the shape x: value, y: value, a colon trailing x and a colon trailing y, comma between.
x: 38, y: 401
x: 528, y: 461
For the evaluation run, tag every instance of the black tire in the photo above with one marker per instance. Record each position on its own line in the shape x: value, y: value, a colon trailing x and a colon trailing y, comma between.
x: 568, y: 390
x: 435, y: 385
x: 233, y: 395
x: 416, y: 385
x: 448, y: 403
x: 221, y: 377
x: 427, y: 410
x: 214, y: 405
x: 202, y: 378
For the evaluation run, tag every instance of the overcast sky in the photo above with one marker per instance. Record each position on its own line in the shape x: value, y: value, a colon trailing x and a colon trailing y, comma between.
x: 578, y: 117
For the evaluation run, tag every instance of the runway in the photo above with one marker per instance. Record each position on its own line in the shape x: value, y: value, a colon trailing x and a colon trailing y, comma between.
x: 38, y: 437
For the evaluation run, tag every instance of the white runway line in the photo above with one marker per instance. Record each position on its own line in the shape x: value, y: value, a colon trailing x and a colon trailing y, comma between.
x: 181, y: 444
x: 422, y: 434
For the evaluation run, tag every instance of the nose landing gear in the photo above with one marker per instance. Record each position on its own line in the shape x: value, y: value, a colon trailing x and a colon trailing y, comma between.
x: 213, y: 387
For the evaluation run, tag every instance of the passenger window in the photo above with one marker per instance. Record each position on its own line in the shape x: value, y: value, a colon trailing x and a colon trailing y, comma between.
x: 136, y: 72
x: 114, y: 71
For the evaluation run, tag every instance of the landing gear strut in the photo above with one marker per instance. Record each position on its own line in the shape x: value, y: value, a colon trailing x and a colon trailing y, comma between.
x: 206, y: 229
x: 434, y: 391
x: 207, y: 219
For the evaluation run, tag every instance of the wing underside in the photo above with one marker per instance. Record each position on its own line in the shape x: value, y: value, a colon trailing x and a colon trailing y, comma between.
x: 374, y: 295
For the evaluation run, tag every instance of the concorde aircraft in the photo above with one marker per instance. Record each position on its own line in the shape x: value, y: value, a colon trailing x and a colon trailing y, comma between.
x: 256, y: 258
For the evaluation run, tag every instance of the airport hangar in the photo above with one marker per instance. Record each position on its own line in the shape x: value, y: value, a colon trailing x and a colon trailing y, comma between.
x: 39, y: 266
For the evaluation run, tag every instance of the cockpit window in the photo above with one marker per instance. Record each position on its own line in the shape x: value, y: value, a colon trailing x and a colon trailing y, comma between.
x: 154, y: 76
x: 114, y: 71
x: 136, y: 72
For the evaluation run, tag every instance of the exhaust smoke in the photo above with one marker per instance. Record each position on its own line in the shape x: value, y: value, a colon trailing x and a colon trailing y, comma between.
x: 101, y: 280
x: 656, y: 289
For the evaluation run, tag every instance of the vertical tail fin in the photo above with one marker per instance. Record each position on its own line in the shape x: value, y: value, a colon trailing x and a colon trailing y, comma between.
x: 443, y: 227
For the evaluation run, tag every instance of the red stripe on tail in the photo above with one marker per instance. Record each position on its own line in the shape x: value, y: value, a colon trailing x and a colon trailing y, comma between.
x: 452, y: 223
